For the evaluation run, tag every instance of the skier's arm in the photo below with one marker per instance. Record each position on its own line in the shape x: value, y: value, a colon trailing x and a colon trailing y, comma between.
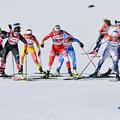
x: 102, y: 28
x: 46, y: 38
x: 38, y: 45
x: 78, y: 41
x: 5, y: 34
x: 70, y: 36
x: 23, y: 39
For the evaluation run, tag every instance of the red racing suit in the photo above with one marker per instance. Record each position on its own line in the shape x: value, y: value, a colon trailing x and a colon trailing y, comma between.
x: 57, y: 47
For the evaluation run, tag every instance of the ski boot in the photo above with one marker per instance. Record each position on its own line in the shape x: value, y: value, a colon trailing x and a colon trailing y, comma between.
x: 75, y: 74
x: 106, y: 74
x: 117, y: 77
x: 46, y: 74
x: 20, y: 73
x: 94, y: 74
x: 57, y: 74
x: 2, y: 73
x: 70, y: 73
x: 41, y: 70
x: 21, y: 69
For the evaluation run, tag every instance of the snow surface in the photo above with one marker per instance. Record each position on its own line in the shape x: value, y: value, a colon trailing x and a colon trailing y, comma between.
x: 59, y: 100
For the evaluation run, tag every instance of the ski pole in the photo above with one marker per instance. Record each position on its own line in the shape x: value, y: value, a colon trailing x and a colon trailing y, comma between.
x: 87, y: 65
x: 26, y: 65
x: 40, y: 59
x: 13, y: 66
x: 89, y: 57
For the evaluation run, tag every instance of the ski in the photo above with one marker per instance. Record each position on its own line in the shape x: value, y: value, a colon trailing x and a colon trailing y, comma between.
x: 43, y: 78
x: 114, y: 80
x: 74, y: 77
x: 17, y: 78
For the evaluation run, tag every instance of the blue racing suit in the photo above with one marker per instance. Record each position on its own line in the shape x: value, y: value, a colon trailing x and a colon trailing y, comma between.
x: 70, y: 51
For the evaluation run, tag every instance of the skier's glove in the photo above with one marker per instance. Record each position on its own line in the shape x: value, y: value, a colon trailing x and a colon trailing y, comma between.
x: 81, y: 45
x: 39, y: 53
x: 42, y: 45
x: 10, y: 26
x: 25, y: 51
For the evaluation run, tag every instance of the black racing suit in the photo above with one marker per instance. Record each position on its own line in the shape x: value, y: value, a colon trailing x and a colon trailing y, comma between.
x: 2, y: 36
x: 12, y: 45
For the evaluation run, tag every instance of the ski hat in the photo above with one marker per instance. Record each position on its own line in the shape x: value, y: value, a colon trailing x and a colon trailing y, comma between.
x: 114, y: 33
x: 29, y: 32
x: 107, y: 21
x: 17, y: 29
x: 57, y: 28
x: 16, y: 25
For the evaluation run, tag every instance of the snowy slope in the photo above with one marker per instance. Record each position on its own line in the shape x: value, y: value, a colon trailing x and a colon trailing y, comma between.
x: 74, y: 16
x: 59, y: 100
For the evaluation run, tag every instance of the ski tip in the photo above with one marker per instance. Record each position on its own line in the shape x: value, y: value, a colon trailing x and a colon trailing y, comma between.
x: 91, y: 6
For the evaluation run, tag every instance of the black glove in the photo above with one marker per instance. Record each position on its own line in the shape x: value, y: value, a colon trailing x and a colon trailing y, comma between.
x: 39, y: 52
x: 10, y: 26
x: 42, y: 45
x: 81, y: 45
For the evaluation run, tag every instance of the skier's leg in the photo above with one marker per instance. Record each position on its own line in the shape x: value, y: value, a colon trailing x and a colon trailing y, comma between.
x: 72, y: 55
x: 51, y: 59
x: 60, y: 62
x: 115, y: 56
x: 22, y: 56
x: 15, y: 52
x: 1, y: 49
x: 101, y: 61
x: 3, y: 59
x: 65, y: 56
x: 34, y: 57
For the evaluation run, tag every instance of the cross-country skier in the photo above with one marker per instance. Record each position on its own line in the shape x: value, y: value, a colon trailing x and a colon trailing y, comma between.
x: 2, y: 36
x: 57, y: 47
x: 12, y: 45
x: 70, y: 51
x: 111, y: 68
x: 112, y: 48
x: 29, y: 48
x: 103, y: 33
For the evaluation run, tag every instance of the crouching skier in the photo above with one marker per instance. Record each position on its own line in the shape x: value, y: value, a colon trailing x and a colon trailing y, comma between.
x: 67, y: 42
x: 57, y: 48
x: 111, y: 68
x: 31, y: 39
x: 113, y: 50
x: 12, y: 45
x: 103, y: 33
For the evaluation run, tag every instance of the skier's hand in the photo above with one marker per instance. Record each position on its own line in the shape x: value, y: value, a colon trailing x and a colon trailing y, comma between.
x: 42, y: 45
x: 81, y: 45
x: 39, y: 53
x: 116, y: 22
x: 93, y: 52
x: 25, y: 51
x: 10, y: 26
